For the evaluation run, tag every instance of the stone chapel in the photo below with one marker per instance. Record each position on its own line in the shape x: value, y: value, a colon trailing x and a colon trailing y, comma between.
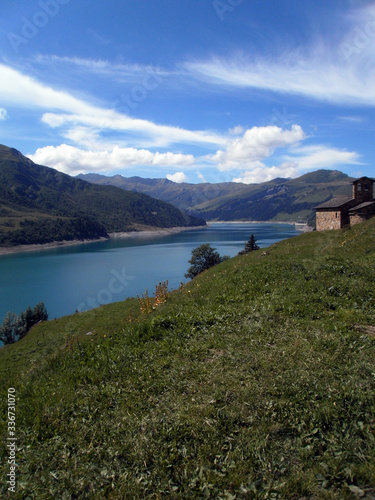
x: 346, y: 211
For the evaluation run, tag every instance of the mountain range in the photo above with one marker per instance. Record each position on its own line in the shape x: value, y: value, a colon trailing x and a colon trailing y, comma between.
x: 277, y: 200
x: 39, y: 204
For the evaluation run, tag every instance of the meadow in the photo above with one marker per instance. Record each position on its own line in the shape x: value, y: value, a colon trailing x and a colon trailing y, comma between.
x: 255, y: 380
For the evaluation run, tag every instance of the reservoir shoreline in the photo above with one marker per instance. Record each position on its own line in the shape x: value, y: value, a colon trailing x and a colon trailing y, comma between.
x: 65, y: 243
x: 67, y: 276
x: 300, y: 226
x: 134, y: 234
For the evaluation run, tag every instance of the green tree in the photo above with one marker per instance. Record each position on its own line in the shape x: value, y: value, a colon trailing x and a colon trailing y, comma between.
x: 7, y: 329
x: 19, y: 329
x: 202, y: 258
x: 15, y: 327
x: 27, y: 319
x: 250, y: 246
x: 40, y: 313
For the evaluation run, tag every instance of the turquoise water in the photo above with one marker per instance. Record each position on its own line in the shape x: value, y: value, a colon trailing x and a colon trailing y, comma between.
x: 85, y: 276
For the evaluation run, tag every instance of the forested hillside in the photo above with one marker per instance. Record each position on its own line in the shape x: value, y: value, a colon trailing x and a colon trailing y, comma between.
x: 39, y: 204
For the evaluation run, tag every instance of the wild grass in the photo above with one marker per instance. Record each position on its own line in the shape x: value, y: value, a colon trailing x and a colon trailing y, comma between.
x: 254, y: 380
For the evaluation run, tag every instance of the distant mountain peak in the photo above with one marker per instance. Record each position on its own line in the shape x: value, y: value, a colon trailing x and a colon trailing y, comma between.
x: 323, y: 175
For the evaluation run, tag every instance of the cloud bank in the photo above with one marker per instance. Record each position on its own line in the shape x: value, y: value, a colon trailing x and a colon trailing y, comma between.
x: 256, y: 145
x: 73, y: 161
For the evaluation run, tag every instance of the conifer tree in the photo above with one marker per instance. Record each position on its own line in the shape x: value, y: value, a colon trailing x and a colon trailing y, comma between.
x: 27, y: 318
x: 250, y: 246
x: 7, y: 335
x: 40, y: 313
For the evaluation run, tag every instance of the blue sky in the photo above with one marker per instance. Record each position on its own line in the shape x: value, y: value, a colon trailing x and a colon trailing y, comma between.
x: 197, y: 90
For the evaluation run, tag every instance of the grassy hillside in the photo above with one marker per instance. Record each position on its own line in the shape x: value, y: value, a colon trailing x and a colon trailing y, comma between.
x: 279, y: 199
x: 39, y: 204
x: 255, y: 380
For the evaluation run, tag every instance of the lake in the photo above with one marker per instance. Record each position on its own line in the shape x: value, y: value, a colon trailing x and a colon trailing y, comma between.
x: 88, y: 275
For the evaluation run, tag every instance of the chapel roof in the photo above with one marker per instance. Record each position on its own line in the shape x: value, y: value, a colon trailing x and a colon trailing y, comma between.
x: 362, y: 206
x: 336, y: 202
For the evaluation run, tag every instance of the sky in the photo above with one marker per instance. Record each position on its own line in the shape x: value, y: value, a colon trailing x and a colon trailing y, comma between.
x: 190, y: 90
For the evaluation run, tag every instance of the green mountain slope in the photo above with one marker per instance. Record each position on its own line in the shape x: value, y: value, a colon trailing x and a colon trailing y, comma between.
x: 255, y: 380
x: 39, y: 204
x: 279, y: 199
x: 288, y: 200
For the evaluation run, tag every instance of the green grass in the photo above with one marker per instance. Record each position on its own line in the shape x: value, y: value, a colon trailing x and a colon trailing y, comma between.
x: 256, y: 380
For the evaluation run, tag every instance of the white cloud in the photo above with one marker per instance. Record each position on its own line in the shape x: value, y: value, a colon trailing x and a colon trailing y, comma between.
x: 314, y: 77
x: 116, y: 72
x: 353, y: 119
x: 84, y: 136
x: 24, y: 91
x: 301, y: 159
x: 320, y: 156
x: 264, y: 174
x: 3, y: 114
x: 255, y: 145
x: 201, y: 177
x: 238, y: 130
x: 336, y: 70
x: 73, y: 161
x: 178, y: 177
x: 141, y: 131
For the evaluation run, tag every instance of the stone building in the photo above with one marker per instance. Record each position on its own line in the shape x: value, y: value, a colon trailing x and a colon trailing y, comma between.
x: 347, y: 210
